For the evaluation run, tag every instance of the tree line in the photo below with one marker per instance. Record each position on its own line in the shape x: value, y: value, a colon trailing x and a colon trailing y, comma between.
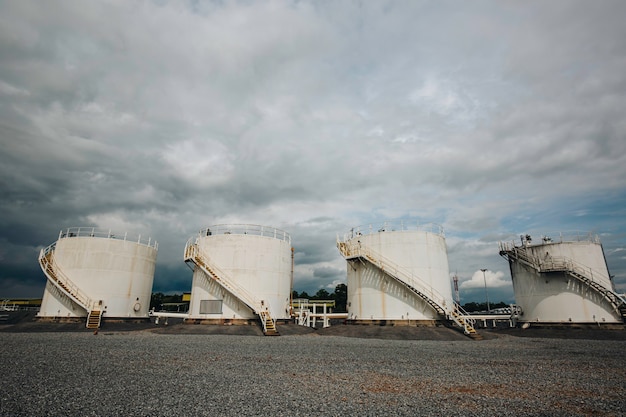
x: 339, y: 296
x: 473, y: 306
x: 158, y: 298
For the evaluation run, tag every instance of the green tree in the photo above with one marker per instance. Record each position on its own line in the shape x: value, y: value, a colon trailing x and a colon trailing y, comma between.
x: 321, y: 294
x: 341, y: 298
x: 474, y: 306
x: 156, y: 299
x: 173, y: 298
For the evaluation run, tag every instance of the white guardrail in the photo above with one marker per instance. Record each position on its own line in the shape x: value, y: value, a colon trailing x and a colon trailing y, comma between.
x: 107, y: 234
x: 246, y: 229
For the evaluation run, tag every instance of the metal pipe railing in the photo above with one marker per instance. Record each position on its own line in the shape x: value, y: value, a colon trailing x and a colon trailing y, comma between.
x: 393, y: 226
x: 246, y: 229
x: 106, y: 234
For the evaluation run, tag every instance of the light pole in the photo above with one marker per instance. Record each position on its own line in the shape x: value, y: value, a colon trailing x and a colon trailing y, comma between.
x: 486, y: 294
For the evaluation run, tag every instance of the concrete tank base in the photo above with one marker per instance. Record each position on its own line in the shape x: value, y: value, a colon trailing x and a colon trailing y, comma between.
x: 125, y: 320
x: 52, y: 319
x: 396, y: 323
x: 224, y: 322
x: 567, y: 325
x: 59, y: 319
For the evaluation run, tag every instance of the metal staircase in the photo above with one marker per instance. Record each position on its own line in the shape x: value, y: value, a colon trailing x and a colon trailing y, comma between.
x: 194, y: 255
x: 567, y: 266
x: 269, y: 325
x: 463, y: 319
x: 93, y: 319
x: 61, y: 281
x: 413, y: 283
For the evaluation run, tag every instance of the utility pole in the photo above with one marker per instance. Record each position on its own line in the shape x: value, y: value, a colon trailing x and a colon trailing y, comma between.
x: 486, y: 294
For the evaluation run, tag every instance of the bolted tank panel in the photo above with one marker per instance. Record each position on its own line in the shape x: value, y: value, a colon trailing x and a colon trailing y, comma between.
x: 110, y: 269
x: 257, y: 259
x: 558, y: 296
x: 418, y: 252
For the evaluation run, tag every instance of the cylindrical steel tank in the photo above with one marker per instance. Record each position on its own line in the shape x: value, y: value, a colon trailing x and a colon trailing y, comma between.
x: 255, y: 262
x: 554, y: 279
x: 114, y: 270
x: 403, y: 256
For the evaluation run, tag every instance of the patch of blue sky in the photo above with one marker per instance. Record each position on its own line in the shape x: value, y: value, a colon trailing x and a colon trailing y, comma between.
x: 599, y: 213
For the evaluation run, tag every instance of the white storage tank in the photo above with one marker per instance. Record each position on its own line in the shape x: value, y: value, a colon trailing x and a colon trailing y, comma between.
x: 397, y: 271
x: 95, y: 270
x: 562, y: 279
x: 239, y: 271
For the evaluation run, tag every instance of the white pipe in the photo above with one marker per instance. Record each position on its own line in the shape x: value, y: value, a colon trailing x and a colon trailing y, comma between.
x: 330, y: 315
x: 487, y: 316
x: 326, y: 324
x: 166, y: 314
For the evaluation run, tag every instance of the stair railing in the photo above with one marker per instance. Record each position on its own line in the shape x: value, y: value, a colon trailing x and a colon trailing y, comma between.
x: 404, y: 275
x: 463, y: 319
x: 265, y: 317
x: 56, y: 275
x: 562, y: 263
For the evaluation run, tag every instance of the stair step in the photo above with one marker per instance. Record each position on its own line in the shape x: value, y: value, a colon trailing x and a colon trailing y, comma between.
x: 94, y: 318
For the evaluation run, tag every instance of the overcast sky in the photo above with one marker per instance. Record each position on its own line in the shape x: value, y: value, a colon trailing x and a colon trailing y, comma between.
x: 489, y: 118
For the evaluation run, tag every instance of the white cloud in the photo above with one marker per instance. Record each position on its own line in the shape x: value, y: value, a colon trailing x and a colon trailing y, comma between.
x: 493, y: 280
x: 331, y: 286
x: 10, y: 90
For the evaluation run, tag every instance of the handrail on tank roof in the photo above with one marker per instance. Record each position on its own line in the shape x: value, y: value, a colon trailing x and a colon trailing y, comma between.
x: 529, y: 239
x: 106, y: 234
x: 246, y: 229
x: 394, y: 226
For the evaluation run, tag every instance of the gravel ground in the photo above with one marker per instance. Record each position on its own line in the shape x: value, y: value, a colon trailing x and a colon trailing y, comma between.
x: 147, y: 373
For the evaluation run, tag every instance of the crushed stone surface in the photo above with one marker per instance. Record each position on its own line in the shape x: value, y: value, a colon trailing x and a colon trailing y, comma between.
x: 149, y: 373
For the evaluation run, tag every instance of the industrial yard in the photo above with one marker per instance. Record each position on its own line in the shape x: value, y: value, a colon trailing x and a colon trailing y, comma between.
x: 157, y: 371
x: 404, y: 347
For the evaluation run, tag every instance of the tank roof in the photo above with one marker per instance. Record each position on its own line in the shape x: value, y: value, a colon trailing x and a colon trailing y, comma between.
x: 394, y: 226
x: 556, y: 237
x: 107, y: 234
x: 246, y: 229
